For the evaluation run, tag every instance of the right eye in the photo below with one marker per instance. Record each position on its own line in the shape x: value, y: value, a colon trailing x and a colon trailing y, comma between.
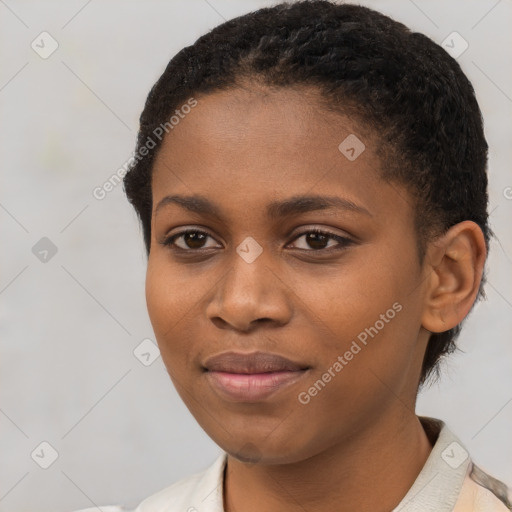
x: 192, y: 238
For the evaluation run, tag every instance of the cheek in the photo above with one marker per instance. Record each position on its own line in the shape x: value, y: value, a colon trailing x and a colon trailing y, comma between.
x: 170, y: 307
x: 351, y: 296
x: 370, y: 313
x: 173, y: 294
x: 159, y: 298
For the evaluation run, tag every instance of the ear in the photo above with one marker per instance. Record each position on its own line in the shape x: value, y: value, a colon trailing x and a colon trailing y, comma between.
x: 455, y: 263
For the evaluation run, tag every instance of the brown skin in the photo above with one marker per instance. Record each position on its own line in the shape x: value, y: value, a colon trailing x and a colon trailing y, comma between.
x: 242, y: 149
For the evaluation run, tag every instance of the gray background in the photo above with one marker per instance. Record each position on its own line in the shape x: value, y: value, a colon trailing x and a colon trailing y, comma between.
x: 69, y: 325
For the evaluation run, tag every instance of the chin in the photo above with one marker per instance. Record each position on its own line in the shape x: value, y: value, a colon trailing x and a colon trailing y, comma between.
x: 267, y: 451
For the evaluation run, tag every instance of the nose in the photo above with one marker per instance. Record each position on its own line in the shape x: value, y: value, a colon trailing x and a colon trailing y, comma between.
x: 248, y: 295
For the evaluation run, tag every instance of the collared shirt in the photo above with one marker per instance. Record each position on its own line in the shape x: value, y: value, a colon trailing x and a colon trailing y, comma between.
x: 448, y: 482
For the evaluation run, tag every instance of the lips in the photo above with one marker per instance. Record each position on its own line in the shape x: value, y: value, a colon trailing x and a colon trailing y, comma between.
x: 254, y: 377
x: 255, y: 362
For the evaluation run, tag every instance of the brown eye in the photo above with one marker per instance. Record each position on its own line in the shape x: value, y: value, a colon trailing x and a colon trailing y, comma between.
x: 193, y: 239
x: 315, y: 240
x: 318, y: 240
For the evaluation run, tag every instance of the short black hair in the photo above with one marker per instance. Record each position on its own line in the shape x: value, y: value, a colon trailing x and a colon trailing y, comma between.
x: 398, y: 84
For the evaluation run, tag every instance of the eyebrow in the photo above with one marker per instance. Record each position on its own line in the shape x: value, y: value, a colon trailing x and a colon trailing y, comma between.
x: 276, y: 209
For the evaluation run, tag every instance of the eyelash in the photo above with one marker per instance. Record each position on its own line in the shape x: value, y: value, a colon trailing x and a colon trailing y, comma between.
x: 343, y: 242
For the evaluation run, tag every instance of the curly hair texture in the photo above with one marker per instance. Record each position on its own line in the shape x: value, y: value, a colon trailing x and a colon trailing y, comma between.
x: 397, y: 84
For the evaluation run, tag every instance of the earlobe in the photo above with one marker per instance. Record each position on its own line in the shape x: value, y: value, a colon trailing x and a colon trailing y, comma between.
x: 456, y: 266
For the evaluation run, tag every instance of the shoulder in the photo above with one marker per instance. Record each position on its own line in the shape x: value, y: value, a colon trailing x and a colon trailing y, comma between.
x: 110, y: 508
x: 460, y: 485
x: 200, y: 491
x: 483, y: 493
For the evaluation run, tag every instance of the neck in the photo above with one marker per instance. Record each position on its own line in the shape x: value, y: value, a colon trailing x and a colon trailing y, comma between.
x: 373, y: 471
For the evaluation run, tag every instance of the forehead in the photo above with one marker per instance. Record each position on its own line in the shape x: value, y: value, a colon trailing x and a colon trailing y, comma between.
x: 256, y: 143
x: 284, y: 119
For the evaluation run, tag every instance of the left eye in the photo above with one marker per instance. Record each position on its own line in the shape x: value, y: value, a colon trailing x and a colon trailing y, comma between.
x: 317, y: 239
x: 194, y: 240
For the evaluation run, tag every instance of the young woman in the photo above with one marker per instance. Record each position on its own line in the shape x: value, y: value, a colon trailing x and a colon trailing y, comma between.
x: 311, y: 183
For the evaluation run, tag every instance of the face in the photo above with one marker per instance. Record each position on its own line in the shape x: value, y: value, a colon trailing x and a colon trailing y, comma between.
x: 336, y: 288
